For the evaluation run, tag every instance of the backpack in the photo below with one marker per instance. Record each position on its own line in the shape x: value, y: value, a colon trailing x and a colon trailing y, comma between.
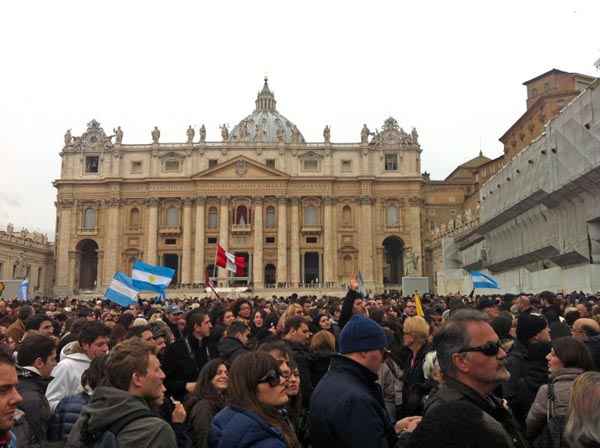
x: 552, y: 434
x: 108, y: 438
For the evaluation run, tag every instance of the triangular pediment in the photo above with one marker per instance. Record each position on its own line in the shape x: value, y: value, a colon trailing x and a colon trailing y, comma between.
x: 241, y: 168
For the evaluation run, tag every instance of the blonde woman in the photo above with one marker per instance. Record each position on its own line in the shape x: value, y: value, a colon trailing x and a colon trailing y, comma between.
x: 416, y: 333
x: 583, y: 426
x: 295, y: 309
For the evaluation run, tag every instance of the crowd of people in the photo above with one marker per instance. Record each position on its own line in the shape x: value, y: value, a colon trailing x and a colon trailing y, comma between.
x: 382, y: 371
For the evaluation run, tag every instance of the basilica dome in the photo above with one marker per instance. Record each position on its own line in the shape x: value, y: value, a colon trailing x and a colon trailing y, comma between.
x: 265, y: 124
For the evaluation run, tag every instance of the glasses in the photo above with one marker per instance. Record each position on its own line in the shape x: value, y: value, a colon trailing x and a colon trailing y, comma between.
x: 272, y: 378
x: 488, y: 349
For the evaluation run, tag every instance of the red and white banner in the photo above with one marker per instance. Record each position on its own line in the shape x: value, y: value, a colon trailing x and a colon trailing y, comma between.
x: 229, y: 261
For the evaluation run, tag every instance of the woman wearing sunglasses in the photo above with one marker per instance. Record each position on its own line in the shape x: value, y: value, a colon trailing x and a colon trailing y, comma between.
x: 257, y: 395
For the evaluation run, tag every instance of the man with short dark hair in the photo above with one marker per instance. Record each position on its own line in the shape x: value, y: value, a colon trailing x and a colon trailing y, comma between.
x: 92, y: 342
x: 36, y: 358
x: 235, y: 343
x: 297, y: 335
x: 40, y: 323
x: 123, y: 408
x: 472, y: 362
x: 9, y: 399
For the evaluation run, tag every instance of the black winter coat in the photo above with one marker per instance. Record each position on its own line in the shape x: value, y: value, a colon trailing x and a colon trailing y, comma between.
x: 347, y: 409
x: 182, y: 365
x: 415, y: 387
x: 593, y: 345
x: 32, y: 388
x: 528, y: 371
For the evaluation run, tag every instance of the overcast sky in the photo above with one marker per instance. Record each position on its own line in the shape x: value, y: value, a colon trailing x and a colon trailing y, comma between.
x: 452, y: 69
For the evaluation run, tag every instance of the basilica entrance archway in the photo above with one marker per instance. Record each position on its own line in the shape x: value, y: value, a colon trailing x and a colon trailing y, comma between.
x: 88, y: 264
x: 393, y: 253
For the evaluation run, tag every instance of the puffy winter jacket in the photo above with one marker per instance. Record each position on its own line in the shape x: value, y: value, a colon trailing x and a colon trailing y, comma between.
x: 238, y: 428
x: 65, y: 415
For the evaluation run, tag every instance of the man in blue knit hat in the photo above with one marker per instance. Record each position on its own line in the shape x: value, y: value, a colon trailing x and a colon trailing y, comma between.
x: 347, y: 407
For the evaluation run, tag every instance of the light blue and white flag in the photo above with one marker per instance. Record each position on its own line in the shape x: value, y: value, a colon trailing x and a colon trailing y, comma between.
x: 24, y: 290
x: 481, y: 280
x: 148, y: 277
x: 122, y: 290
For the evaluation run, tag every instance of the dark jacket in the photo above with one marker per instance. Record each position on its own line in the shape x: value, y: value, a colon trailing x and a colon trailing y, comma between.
x: 32, y: 388
x: 457, y: 413
x: 238, y: 428
x: 319, y: 366
x: 199, y: 419
x: 593, y: 345
x: 347, y: 306
x: 230, y: 348
x: 415, y: 387
x: 303, y: 358
x: 528, y: 371
x: 182, y: 366
x: 347, y: 409
x: 109, y: 405
x: 65, y: 416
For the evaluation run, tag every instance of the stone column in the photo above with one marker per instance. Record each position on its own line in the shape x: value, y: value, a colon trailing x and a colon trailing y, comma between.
x: 329, y: 243
x: 151, y: 245
x: 100, y: 270
x: 72, y: 275
x: 200, y: 240
x: 257, y: 259
x: 282, y: 241
x: 366, y: 240
x: 294, y: 242
x: 186, y: 253
x: 63, y: 240
x: 111, y: 245
x: 224, y: 232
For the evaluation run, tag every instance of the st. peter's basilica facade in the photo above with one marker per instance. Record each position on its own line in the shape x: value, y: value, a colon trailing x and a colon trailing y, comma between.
x: 304, y: 214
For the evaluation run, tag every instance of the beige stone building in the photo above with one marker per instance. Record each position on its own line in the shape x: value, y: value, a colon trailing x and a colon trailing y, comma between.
x: 27, y: 255
x: 301, y: 213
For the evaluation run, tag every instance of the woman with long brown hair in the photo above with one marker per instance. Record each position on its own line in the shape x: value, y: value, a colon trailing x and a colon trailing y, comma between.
x: 207, y: 400
x: 257, y: 395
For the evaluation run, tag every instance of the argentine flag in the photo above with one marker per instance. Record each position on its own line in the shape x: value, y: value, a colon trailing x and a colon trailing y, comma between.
x: 147, y: 277
x: 481, y: 280
x: 122, y: 290
x: 23, y: 290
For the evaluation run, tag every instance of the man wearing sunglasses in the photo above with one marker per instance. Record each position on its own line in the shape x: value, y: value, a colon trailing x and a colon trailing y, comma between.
x: 473, y: 364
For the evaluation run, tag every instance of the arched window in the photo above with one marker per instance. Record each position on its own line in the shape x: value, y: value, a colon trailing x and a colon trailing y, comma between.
x: 212, y: 218
x: 89, y: 218
x: 310, y: 216
x: 392, y: 216
x: 134, y: 218
x: 270, y: 218
x: 347, y: 216
x: 172, y: 216
x: 241, y: 215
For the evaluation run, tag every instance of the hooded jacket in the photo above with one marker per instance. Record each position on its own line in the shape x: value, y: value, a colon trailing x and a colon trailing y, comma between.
x: 109, y: 405
x: 32, y: 388
x: 67, y: 377
x: 238, y: 428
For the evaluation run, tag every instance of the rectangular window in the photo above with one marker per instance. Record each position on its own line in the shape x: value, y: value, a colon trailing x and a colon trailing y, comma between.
x: 312, y: 240
x: 391, y: 162
x: 310, y: 165
x: 270, y: 163
x: 212, y: 240
x: 91, y: 164
x: 172, y: 165
x: 136, y: 167
x: 346, y: 166
x: 170, y: 241
x: 270, y: 240
x: 212, y: 163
